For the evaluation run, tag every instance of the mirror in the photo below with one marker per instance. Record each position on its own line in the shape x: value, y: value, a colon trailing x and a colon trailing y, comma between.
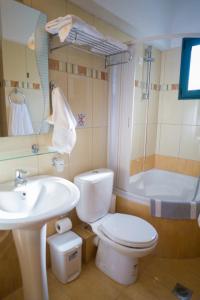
x: 24, y: 89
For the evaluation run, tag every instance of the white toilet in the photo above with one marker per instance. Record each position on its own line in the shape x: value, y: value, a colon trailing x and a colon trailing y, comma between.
x: 122, y: 238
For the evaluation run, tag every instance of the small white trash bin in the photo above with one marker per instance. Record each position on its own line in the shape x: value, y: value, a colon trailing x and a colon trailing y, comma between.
x: 65, y: 250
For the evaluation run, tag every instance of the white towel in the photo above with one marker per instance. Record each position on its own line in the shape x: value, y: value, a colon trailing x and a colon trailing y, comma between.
x: 19, y: 120
x: 64, y: 133
x: 63, y: 25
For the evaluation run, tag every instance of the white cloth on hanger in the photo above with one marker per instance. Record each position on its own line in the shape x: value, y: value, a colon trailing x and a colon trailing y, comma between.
x: 63, y: 25
x: 19, y: 120
x: 64, y: 131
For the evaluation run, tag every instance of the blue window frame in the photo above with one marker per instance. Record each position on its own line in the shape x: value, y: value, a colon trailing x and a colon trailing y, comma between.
x: 184, y: 91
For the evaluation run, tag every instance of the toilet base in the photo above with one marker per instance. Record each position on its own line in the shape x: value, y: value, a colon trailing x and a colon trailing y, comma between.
x: 119, y: 267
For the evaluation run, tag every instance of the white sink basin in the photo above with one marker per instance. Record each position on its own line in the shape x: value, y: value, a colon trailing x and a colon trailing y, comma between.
x: 39, y: 200
x: 26, y: 209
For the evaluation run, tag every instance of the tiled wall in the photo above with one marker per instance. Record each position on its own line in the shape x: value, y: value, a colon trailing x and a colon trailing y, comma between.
x: 85, y: 87
x: 178, y: 144
x: 173, y: 135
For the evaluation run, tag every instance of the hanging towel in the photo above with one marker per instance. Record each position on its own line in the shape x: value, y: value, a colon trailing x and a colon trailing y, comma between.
x: 178, y: 210
x: 19, y: 120
x: 63, y: 25
x: 64, y: 133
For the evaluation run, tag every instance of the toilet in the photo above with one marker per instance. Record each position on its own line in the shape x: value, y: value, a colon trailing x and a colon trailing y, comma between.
x: 121, y: 238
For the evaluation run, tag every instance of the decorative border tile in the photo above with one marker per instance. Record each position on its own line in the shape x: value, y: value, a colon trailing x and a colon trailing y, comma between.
x: 20, y: 84
x: 157, y: 87
x: 60, y: 66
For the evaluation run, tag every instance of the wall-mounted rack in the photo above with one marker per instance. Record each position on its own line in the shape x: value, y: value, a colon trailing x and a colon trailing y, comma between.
x: 93, y: 45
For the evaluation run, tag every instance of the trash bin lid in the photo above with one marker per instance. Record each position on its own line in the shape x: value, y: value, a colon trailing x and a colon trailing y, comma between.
x: 65, y: 242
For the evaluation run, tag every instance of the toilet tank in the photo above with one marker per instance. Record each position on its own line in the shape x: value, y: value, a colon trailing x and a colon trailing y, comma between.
x: 95, y: 194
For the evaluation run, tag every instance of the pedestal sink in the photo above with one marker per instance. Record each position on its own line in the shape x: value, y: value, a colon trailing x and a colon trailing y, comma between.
x: 25, y: 210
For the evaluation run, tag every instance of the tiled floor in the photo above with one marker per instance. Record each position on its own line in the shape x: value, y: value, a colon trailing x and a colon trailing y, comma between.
x: 157, y: 279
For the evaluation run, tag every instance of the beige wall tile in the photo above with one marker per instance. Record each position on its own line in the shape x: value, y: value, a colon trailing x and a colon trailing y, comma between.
x: 45, y: 165
x: 151, y: 139
x: 79, y: 57
x: 60, y: 79
x: 138, y: 141
x: 100, y: 103
x: 140, y: 107
x: 81, y: 155
x: 139, y: 61
x: 153, y: 107
x: 157, y: 149
x: 156, y: 66
x: 190, y: 143
x: 185, y: 114
x: 188, y: 167
x: 99, y: 62
x: 6, y: 172
x: 136, y: 166
x: 170, y: 140
x: 80, y: 96
x: 77, y: 11
x: 99, y: 147
x: 9, y: 167
x: 172, y: 65
x: 166, y: 163
x: 172, y: 109
x: 176, y: 164
x: 191, y: 112
x: 111, y: 31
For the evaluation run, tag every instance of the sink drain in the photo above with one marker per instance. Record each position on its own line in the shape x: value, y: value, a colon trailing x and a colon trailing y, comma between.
x: 181, y: 292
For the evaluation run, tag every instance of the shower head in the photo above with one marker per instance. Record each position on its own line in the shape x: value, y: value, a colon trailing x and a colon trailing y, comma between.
x: 148, y: 54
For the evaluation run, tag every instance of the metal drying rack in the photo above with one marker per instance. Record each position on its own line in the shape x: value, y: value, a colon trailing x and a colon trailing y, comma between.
x: 93, y: 45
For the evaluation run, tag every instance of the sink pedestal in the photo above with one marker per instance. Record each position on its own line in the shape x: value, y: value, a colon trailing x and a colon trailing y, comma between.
x: 31, y: 249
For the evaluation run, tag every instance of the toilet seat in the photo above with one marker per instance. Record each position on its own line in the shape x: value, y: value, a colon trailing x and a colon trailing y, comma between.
x: 129, y: 231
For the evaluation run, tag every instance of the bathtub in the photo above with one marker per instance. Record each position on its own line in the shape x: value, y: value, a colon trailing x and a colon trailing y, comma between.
x: 163, y: 185
x: 179, y: 235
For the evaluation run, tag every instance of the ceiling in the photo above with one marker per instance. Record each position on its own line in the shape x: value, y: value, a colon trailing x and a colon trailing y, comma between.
x: 156, y: 21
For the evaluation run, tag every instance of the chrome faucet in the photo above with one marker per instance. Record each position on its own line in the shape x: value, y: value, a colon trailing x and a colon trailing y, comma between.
x: 20, y: 177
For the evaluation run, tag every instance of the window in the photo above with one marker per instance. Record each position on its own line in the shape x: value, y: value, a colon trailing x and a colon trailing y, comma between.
x: 189, y: 84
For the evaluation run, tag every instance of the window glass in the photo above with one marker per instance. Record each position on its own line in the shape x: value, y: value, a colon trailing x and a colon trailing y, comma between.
x: 194, y: 74
x: 189, y: 83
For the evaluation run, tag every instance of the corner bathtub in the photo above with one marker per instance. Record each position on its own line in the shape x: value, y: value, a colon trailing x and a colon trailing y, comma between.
x: 165, y: 200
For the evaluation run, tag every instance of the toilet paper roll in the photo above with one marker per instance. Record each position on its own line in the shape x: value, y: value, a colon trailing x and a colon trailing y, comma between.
x: 63, y: 225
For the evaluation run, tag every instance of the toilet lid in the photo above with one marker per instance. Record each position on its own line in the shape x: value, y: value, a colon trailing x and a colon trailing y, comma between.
x: 129, y: 231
